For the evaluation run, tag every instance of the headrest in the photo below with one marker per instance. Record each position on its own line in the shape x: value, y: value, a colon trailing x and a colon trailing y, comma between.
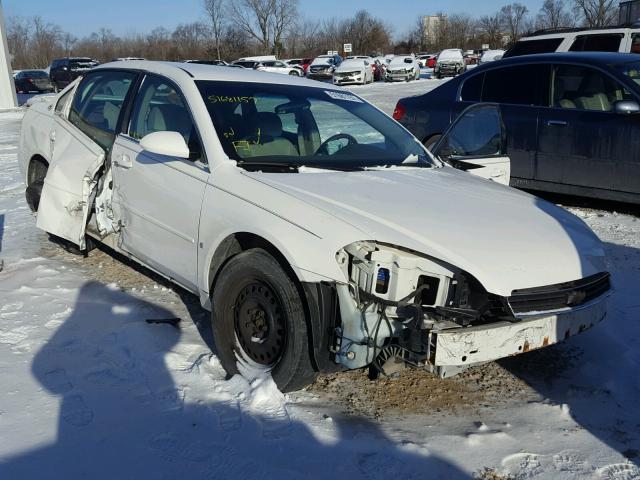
x: 269, y: 124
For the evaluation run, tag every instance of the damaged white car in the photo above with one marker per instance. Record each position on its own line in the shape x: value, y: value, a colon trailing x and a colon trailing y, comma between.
x: 321, y: 235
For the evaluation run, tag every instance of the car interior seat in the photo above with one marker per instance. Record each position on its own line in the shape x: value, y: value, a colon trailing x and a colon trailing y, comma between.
x: 171, y: 118
x: 593, y: 94
x: 266, y: 138
x: 560, y: 95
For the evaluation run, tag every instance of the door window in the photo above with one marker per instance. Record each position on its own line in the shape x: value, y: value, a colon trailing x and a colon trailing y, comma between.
x: 97, y: 104
x: 635, y: 43
x: 575, y: 87
x: 477, y: 132
x: 609, y: 42
x: 160, y: 108
x: 472, y: 89
x: 512, y: 85
x: 529, y: 47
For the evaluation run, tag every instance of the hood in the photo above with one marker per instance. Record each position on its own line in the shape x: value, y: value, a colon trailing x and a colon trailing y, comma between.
x: 350, y: 67
x: 505, y: 238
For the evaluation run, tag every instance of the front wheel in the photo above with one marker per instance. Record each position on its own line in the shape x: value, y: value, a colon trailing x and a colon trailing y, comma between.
x: 259, y: 323
x: 294, y: 73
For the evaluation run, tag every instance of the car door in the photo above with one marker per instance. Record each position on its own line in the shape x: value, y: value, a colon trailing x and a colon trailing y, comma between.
x: 476, y: 142
x: 78, y: 142
x: 583, y: 142
x: 518, y: 91
x: 157, y: 199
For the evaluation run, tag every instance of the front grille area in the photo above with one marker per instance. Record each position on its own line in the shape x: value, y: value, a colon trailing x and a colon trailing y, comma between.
x: 562, y: 295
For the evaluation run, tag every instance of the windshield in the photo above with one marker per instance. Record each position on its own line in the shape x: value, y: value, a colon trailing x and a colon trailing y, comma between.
x: 287, y: 125
x: 35, y: 74
x: 352, y: 63
x: 78, y: 64
x: 397, y: 61
x: 631, y: 70
x: 322, y: 61
x: 450, y: 55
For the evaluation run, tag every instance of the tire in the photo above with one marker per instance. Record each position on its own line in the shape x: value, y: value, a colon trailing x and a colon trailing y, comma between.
x: 258, y: 320
x: 294, y: 73
x: 431, y: 141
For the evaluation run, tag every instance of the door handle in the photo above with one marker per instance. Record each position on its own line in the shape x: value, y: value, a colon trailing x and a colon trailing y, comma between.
x: 123, y: 161
x: 556, y: 123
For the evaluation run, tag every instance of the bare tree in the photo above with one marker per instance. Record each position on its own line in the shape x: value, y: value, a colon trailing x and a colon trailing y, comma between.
x: 490, y: 28
x: 216, y: 13
x: 598, y: 13
x: 285, y: 13
x: 553, y: 14
x: 513, y: 17
x: 255, y: 18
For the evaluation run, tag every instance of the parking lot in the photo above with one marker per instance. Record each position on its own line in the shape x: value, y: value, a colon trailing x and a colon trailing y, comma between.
x: 74, y: 340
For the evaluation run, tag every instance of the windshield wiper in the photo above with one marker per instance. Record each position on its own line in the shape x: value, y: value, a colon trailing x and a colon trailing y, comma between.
x: 254, y: 166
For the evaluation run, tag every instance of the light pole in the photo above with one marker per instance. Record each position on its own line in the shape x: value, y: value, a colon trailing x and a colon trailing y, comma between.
x: 7, y: 87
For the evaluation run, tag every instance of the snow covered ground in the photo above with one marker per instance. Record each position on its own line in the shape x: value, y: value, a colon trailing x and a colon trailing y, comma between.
x: 91, y: 389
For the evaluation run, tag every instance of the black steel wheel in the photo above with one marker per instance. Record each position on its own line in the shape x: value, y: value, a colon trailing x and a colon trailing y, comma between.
x: 259, y: 321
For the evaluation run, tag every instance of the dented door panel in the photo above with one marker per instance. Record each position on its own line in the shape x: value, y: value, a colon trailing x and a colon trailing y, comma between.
x: 70, y: 183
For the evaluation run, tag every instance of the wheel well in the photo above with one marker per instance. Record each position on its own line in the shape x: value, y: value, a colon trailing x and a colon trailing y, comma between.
x: 37, y: 170
x: 240, y: 242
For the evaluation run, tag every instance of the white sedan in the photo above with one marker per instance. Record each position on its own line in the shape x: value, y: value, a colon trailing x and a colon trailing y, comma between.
x: 353, y: 70
x: 277, y: 66
x: 319, y: 233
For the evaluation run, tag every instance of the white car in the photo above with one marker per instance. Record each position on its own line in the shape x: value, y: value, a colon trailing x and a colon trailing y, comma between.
x: 450, y: 63
x: 353, y: 70
x: 491, y: 56
x: 319, y: 233
x: 402, y: 68
x: 277, y: 66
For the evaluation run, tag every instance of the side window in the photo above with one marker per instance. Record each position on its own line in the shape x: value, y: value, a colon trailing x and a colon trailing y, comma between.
x: 635, y: 43
x: 514, y: 85
x: 96, y: 106
x: 609, y: 42
x: 472, y: 89
x: 476, y: 133
x: 63, y: 101
x: 160, y: 108
x: 529, y: 47
x: 575, y: 87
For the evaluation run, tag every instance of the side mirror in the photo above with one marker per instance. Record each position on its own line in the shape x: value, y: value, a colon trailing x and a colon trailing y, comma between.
x: 626, y: 107
x: 170, y: 144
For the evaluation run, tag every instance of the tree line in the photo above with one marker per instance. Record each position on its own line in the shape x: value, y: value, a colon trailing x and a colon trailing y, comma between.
x: 230, y: 29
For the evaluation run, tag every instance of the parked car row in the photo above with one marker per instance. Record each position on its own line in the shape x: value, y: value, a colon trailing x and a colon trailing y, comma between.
x: 571, y: 120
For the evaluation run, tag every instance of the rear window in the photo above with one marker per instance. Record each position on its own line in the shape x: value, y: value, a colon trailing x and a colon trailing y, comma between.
x: 607, y: 42
x: 530, y: 47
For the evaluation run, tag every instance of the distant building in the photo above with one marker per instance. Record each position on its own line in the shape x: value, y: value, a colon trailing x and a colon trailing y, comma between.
x: 430, y: 27
x: 629, y: 12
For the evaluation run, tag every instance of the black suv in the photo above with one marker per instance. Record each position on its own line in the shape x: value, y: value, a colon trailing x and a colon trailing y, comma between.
x: 572, y: 120
x: 63, y: 71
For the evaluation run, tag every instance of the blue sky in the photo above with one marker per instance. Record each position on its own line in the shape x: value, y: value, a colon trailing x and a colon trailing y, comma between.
x: 122, y: 16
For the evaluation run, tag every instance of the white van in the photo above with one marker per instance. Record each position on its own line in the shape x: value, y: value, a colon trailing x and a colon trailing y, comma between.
x: 618, y: 39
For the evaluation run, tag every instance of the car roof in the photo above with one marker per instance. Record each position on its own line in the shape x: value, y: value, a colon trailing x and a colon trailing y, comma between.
x: 596, y: 58
x: 178, y: 71
x: 567, y: 32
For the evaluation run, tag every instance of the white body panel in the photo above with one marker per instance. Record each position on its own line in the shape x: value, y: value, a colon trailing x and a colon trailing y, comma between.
x: 568, y: 38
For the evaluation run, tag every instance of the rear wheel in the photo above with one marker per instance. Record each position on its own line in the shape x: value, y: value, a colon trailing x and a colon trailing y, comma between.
x: 259, y: 322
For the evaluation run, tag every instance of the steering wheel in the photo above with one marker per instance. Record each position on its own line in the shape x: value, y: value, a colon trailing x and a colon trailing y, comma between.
x: 322, y: 150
